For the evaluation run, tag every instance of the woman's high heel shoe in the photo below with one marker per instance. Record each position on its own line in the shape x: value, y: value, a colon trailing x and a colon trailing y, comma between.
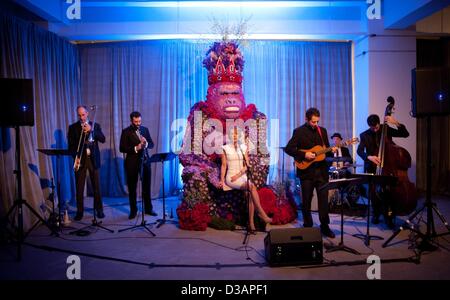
x: 266, y: 219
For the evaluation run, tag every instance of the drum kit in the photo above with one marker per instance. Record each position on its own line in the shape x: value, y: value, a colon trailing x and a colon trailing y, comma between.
x: 341, y: 167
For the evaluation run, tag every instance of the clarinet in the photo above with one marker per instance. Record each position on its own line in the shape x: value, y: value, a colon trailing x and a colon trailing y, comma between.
x: 145, y: 154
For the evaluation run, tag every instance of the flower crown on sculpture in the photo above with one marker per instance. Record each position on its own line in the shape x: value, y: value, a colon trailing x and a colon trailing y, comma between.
x: 224, y: 62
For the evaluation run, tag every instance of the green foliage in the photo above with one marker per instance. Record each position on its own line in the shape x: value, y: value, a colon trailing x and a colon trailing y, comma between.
x: 221, y: 224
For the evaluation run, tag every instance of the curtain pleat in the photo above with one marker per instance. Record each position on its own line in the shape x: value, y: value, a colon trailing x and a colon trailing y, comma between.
x: 53, y: 65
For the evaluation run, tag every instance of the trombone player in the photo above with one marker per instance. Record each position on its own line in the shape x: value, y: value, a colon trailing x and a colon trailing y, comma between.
x: 83, y: 137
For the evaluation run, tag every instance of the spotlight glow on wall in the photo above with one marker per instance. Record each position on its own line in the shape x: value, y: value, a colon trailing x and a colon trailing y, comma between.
x: 237, y: 4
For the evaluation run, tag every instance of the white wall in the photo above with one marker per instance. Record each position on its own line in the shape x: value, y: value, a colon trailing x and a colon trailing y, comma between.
x: 388, y: 62
x: 361, y: 88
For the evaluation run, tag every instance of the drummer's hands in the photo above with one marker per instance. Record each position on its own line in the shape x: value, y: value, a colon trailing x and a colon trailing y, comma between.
x: 375, y: 159
x: 310, y: 155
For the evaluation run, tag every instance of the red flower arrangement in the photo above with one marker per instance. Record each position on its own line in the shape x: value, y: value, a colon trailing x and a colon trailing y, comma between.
x: 268, y: 200
x: 281, y: 210
x: 195, y: 218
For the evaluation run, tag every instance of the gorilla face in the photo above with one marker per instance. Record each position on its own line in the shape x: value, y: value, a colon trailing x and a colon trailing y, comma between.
x: 226, y: 99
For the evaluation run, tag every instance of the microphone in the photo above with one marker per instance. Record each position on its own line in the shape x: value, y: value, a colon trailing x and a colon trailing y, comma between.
x: 247, y: 171
x: 243, y: 156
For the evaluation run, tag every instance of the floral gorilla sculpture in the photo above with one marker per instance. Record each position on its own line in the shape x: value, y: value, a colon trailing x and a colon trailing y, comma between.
x: 208, y: 125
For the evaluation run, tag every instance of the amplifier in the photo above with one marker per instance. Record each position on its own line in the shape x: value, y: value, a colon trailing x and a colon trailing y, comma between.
x: 294, y: 246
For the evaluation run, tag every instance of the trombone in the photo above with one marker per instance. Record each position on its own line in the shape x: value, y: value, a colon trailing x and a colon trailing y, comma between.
x: 82, y: 141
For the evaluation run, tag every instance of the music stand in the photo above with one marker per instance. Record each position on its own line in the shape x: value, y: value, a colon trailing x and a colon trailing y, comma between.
x: 372, y: 180
x: 341, y: 184
x: 58, y: 153
x: 163, y: 157
x: 247, y: 199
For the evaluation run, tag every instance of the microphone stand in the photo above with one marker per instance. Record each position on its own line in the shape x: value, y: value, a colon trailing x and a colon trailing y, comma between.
x: 247, y: 197
x: 95, y: 222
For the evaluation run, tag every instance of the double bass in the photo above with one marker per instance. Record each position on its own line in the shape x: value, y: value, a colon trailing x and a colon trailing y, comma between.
x: 395, y: 161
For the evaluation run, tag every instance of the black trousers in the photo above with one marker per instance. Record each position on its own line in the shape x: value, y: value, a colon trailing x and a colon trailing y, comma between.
x: 132, y: 171
x: 80, y: 180
x: 308, y: 186
x: 381, y: 199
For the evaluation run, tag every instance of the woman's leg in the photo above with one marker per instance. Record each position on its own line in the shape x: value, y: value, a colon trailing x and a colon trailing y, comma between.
x: 257, y: 202
x: 251, y: 213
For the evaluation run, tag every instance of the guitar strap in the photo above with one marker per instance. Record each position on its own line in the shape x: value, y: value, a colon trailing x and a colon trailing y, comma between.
x: 320, y: 133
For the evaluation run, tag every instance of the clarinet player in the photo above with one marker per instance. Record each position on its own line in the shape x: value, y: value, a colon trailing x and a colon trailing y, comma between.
x: 135, y: 140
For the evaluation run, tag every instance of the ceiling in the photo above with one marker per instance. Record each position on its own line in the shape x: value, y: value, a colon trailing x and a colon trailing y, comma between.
x: 101, y: 20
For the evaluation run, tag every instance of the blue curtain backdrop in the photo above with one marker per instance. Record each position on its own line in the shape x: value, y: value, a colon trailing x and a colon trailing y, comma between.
x: 162, y: 79
x: 27, y: 51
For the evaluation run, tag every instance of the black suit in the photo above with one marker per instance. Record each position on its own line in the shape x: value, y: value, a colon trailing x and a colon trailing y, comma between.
x: 313, y: 177
x: 346, y: 153
x: 370, y: 140
x: 90, y: 160
x: 133, y: 160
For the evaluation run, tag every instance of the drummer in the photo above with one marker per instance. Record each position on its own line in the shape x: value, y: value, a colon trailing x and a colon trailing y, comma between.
x: 342, y: 157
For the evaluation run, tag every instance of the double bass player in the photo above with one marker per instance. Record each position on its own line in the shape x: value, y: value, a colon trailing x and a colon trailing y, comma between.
x: 368, y: 150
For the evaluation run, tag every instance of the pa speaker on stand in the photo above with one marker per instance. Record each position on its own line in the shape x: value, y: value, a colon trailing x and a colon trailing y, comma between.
x: 18, y: 110
x: 430, y: 97
x: 17, y: 102
x: 430, y: 89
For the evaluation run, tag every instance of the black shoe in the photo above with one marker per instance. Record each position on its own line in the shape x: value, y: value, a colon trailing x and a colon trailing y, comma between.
x: 151, y: 213
x: 100, y: 214
x: 326, y: 231
x: 78, y: 216
x: 132, y: 215
x: 307, y: 225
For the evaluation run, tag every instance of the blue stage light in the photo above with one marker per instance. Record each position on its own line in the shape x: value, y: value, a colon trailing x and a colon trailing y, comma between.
x: 24, y: 108
x: 441, y: 96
